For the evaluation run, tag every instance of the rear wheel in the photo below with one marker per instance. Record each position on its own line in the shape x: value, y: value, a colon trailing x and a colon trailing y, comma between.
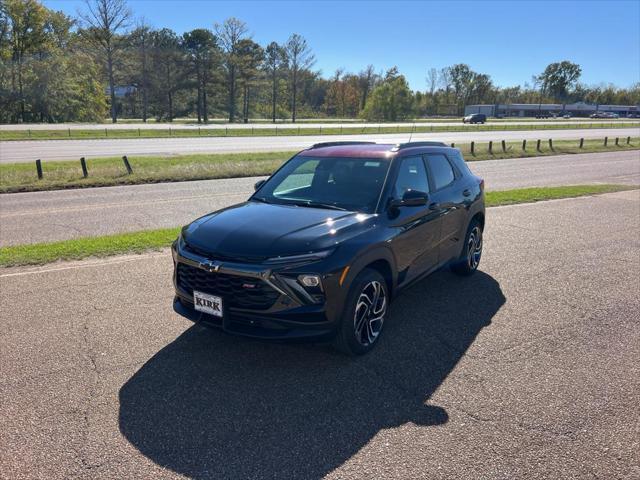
x: 471, y: 251
x: 364, y: 313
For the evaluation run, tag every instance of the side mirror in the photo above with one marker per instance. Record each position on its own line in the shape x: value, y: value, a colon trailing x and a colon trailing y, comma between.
x: 258, y: 184
x: 411, y: 198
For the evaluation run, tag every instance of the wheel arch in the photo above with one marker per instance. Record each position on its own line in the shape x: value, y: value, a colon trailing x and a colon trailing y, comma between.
x: 382, y: 261
x: 479, y: 216
x: 384, y: 268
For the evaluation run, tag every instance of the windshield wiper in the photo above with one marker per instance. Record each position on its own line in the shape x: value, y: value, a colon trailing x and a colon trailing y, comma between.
x: 260, y: 199
x: 329, y: 206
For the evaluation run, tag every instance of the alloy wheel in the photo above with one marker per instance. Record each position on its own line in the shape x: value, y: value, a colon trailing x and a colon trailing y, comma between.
x: 371, y: 308
x: 474, y: 248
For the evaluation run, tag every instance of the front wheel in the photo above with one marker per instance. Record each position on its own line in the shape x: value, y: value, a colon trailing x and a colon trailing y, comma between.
x: 471, y: 250
x: 364, y: 313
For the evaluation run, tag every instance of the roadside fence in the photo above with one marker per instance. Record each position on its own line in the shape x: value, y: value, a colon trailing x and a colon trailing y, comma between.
x: 473, y: 150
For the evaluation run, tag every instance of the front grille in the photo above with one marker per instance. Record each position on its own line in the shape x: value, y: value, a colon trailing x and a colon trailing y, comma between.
x: 230, y: 287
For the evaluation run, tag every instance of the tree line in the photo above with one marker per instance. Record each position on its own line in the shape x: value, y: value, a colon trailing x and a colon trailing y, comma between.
x: 56, y: 68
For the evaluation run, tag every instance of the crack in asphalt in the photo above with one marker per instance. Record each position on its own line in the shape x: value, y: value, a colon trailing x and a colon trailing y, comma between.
x: 81, y: 454
x: 570, y: 434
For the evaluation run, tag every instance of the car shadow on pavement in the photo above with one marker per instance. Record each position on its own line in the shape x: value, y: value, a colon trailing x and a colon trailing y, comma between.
x: 210, y: 405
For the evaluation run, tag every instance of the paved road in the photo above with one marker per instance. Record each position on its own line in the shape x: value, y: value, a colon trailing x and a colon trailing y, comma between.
x: 59, y: 215
x: 529, y: 369
x: 28, y: 151
x: 346, y: 124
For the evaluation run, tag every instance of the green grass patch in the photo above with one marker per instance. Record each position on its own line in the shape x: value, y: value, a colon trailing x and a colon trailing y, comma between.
x: 138, y: 242
x: 40, y: 253
x: 285, y: 130
x: 514, y: 149
x: 537, y: 194
x: 22, y: 177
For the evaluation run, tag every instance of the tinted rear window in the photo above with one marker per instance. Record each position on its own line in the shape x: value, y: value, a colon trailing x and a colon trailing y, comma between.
x: 441, y: 170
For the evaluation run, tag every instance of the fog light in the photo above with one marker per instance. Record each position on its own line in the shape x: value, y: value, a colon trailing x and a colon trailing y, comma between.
x: 309, y: 280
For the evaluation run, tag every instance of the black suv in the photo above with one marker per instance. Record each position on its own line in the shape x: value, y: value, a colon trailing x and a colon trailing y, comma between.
x: 475, y: 118
x: 328, y: 240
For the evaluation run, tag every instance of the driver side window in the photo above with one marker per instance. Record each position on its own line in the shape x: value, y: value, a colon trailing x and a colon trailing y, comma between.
x: 412, y: 175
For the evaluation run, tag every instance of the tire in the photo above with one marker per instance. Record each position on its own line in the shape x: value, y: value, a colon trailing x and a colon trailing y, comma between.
x: 361, y: 325
x: 471, y: 253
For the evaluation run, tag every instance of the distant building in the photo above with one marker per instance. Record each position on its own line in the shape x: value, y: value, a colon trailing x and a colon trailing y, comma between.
x: 535, y: 109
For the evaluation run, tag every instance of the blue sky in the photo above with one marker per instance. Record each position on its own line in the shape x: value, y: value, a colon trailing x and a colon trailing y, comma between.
x: 509, y: 40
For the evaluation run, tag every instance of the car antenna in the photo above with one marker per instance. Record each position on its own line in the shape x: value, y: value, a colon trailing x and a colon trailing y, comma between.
x: 411, y: 132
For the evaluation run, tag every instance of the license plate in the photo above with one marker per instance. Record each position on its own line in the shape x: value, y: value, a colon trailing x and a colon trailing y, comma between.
x: 203, y: 302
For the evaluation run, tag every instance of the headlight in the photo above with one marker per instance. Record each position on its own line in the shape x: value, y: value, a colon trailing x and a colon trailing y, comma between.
x: 306, y: 287
x: 307, y: 257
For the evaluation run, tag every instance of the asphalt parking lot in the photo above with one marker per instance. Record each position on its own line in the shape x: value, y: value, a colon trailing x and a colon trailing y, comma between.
x: 529, y: 369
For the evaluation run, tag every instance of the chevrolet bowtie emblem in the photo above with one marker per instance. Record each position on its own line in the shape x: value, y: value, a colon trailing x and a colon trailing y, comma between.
x: 210, y: 266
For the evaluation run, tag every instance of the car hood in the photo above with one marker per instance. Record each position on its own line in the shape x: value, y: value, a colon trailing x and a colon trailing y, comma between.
x: 256, y: 231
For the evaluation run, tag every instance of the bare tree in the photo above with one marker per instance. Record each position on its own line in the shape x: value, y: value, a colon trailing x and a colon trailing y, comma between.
x: 432, y: 80
x: 230, y: 33
x: 445, y: 80
x: 300, y: 58
x: 366, y: 81
x: 104, y: 19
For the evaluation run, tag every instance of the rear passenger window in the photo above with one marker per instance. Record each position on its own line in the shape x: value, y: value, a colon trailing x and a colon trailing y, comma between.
x: 456, y: 157
x: 441, y: 170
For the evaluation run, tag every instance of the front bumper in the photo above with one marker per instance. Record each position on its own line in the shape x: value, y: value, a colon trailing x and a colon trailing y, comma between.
x: 256, y: 325
x: 295, y: 314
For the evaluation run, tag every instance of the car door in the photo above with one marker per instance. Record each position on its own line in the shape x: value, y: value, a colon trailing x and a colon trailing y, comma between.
x: 416, y: 243
x: 448, y: 199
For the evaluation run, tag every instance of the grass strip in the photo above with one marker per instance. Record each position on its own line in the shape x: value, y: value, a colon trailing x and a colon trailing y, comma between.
x: 22, y: 177
x: 288, y: 130
x: 103, y: 172
x: 513, y: 149
x: 537, y: 194
x: 104, y: 246
x: 138, y: 242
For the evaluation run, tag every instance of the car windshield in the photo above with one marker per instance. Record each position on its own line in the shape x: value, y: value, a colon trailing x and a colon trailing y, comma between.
x: 352, y: 184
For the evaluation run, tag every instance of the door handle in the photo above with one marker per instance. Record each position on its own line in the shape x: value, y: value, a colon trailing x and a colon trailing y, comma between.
x: 466, y: 193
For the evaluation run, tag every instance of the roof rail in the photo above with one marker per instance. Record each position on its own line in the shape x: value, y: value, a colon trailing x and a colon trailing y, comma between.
x: 401, y: 146
x: 337, y: 144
